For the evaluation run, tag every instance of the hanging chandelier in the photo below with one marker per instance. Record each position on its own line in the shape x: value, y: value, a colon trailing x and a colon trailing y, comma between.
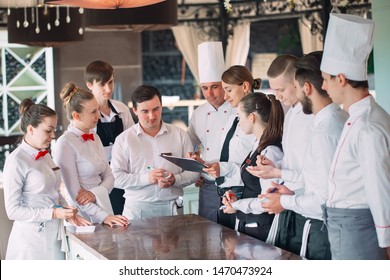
x: 45, y: 26
x: 104, y: 4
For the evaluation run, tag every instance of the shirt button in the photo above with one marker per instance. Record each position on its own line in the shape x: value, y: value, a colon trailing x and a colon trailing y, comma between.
x: 208, y: 130
x: 207, y: 149
x: 208, y: 114
x: 225, y: 112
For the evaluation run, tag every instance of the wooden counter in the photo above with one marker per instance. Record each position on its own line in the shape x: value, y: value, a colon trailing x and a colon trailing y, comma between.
x: 183, y: 237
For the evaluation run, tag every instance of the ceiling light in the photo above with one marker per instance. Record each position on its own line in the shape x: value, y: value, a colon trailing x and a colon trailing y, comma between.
x: 104, y: 4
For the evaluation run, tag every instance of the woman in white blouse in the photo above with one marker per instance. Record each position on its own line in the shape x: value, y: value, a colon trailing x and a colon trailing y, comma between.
x: 263, y: 116
x: 32, y: 190
x: 79, y: 153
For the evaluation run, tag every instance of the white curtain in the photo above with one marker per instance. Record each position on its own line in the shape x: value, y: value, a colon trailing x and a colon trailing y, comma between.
x: 309, y: 42
x: 238, y: 45
x: 236, y: 51
x: 187, y: 42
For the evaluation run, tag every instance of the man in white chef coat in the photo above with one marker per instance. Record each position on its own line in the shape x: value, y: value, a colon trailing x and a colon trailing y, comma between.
x: 208, y: 121
x: 357, y: 212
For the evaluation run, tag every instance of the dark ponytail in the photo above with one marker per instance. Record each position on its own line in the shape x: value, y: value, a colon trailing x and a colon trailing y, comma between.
x: 271, y: 113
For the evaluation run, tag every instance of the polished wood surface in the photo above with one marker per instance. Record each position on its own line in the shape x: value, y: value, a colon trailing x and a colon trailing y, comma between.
x: 182, y: 237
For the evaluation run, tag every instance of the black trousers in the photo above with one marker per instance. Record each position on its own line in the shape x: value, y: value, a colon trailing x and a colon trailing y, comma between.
x: 117, y: 200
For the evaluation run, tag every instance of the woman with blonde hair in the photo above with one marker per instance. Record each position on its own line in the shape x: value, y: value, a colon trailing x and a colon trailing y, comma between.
x: 80, y: 155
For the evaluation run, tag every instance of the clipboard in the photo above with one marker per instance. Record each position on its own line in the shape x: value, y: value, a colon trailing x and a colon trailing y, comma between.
x: 188, y: 164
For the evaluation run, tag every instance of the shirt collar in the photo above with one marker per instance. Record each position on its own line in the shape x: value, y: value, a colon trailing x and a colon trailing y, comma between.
x: 139, y: 129
x: 296, y: 109
x: 29, y: 149
x: 223, y: 107
x: 77, y: 131
x: 324, y: 112
x: 357, y: 108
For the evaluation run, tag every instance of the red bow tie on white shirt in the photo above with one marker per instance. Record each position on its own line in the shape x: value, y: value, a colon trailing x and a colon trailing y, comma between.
x: 41, y: 154
x: 87, y: 137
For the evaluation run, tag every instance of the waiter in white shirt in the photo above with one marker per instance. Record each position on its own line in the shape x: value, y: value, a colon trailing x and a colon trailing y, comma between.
x: 358, y: 206
x: 152, y: 184
x: 296, y: 129
x: 115, y: 116
x: 306, y: 236
x: 208, y: 121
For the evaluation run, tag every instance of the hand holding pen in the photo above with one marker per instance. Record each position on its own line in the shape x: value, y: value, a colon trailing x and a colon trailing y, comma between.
x: 228, y: 198
x: 157, y: 174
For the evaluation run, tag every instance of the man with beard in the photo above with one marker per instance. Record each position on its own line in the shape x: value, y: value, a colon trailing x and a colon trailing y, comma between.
x: 304, y: 235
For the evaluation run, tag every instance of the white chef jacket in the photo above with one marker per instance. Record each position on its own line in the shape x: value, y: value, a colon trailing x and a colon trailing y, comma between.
x: 84, y: 165
x: 360, y: 171
x: 134, y: 151
x: 31, y: 189
x: 240, y: 146
x: 327, y: 127
x: 253, y: 205
x: 206, y: 127
x: 296, y: 130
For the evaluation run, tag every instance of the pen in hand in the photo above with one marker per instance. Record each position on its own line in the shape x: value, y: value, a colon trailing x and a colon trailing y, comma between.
x: 263, y: 157
x: 166, y: 174
x: 275, y: 189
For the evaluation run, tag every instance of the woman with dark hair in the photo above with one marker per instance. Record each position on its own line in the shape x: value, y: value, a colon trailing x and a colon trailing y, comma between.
x: 237, y: 82
x: 261, y: 115
x: 79, y: 153
x: 32, y: 190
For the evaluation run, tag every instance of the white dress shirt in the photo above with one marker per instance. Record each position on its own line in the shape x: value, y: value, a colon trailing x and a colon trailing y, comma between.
x: 327, y: 127
x: 134, y: 151
x: 296, y: 130
x: 240, y: 146
x: 84, y: 165
x: 31, y: 189
x: 206, y: 127
x: 253, y: 205
x: 360, y: 171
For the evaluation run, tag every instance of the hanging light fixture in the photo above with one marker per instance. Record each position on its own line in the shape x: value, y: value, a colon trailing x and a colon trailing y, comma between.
x: 104, y: 4
x: 153, y: 17
x: 45, y: 26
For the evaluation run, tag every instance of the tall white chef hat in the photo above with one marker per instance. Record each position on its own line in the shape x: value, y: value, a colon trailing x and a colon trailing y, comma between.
x: 211, y: 64
x: 348, y: 43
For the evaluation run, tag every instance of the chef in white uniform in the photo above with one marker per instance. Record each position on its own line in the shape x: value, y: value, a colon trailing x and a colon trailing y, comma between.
x: 208, y: 122
x: 358, y: 206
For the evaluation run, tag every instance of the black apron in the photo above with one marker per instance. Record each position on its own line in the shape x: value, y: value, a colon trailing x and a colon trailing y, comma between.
x: 251, y: 190
x: 107, y: 132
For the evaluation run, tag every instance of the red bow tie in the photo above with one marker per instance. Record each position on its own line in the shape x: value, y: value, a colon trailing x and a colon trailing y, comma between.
x: 41, y: 154
x: 87, y: 137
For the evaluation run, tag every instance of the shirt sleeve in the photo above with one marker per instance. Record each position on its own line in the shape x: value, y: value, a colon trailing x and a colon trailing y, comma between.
x: 185, y: 178
x: 309, y: 203
x: 374, y: 158
x: 125, y: 114
x: 191, y: 131
x: 248, y: 205
x: 120, y: 166
x: 13, y: 179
